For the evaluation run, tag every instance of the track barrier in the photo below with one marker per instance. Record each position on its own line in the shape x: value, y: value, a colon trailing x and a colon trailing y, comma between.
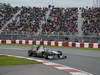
x: 52, y: 43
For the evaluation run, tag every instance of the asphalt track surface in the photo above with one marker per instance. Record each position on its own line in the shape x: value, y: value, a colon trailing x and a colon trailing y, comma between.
x: 86, y: 60
x: 35, y: 69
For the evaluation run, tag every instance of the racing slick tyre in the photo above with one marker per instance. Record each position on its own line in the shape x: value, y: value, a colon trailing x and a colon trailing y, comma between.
x: 42, y: 55
x: 30, y: 53
x: 60, y: 52
x: 46, y: 57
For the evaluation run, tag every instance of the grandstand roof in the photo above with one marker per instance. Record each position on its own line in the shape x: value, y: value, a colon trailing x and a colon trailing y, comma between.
x: 44, y: 3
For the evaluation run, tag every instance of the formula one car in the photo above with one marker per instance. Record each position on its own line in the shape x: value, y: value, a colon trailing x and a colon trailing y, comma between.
x: 40, y: 51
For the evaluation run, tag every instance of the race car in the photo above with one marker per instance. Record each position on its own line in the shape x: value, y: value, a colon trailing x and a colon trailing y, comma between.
x: 41, y: 51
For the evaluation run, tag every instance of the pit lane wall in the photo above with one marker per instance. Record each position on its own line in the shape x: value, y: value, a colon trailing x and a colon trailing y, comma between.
x: 52, y: 43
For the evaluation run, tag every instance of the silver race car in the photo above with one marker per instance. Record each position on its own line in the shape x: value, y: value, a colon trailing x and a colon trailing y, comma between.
x: 41, y: 51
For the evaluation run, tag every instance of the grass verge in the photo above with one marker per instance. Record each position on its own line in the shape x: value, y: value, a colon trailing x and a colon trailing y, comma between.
x: 74, y: 48
x: 9, y: 60
x: 25, y: 45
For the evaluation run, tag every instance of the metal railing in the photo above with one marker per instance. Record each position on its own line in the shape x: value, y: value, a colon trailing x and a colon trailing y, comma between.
x: 69, y: 38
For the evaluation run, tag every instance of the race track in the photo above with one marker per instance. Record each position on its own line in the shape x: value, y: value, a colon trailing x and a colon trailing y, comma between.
x: 86, y: 60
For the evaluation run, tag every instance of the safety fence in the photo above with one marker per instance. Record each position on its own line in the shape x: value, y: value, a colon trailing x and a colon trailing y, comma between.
x: 52, y: 43
x: 69, y: 38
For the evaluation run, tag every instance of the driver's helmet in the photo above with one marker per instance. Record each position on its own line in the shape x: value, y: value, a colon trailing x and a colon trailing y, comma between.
x: 38, y: 47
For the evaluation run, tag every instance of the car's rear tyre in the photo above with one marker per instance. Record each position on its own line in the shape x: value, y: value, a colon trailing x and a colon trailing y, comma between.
x: 43, y: 54
x: 30, y: 53
x: 46, y: 57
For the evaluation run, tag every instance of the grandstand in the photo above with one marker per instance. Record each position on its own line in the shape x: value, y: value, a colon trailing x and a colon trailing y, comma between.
x: 74, y: 23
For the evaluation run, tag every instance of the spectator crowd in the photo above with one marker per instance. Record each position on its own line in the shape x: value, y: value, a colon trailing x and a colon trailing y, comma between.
x: 91, y: 20
x: 6, y: 13
x: 60, y: 20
